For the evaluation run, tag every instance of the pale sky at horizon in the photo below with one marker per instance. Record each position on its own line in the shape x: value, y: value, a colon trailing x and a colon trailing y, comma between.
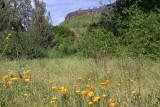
x: 60, y: 8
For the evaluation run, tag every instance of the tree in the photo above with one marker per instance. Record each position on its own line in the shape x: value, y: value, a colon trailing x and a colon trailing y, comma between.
x: 40, y: 24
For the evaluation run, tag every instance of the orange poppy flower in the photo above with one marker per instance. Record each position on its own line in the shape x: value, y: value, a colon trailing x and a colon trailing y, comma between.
x: 92, y: 88
x: 80, y: 78
x: 75, y: 86
x: 54, y: 88
x: 5, y: 78
x: 54, y: 98
x: 8, y: 83
x: 24, y: 77
x: 39, y: 75
x: 108, y: 72
x: 88, y: 86
x: 29, y: 77
x: 96, y: 99
x: 107, y: 81
x: 111, y: 101
x: 84, y: 92
x: 52, y: 102
x: 103, y: 84
x: 90, y: 94
x: 119, y: 84
x: 15, y: 79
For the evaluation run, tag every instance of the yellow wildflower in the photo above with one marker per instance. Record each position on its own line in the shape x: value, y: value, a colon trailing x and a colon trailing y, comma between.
x: 90, y: 103
x: 65, y: 90
x: 54, y: 88
x: 15, y: 79
x: 39, y: 75
x: 54, y: 98
x: 131, y: 80
x: 133, y: 92
x: 139, y: 97
x: 52, y: 102
x: 104, y: 95
x: 25, y: 94
x: 96, y: 99
x: 112, y: 104
x: 77, y: 92
x: 108, y: 72
x: 90, y: 94
x: 89, y: 79
x: 111, y: 101
x: 27, y: 80
x: 10, y: 73
x: 84, y: 92
x: 119, y: 84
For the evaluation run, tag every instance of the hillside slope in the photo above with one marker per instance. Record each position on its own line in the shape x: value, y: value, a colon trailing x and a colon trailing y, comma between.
x: 79, y: 24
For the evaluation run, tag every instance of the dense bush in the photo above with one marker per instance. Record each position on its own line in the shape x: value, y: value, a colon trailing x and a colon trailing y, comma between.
x: 62, y: 35
x: 19, y: 44
x: 132, y: 32
x: 63, y: 40
x: 98, y: 42
x: 140, y: 31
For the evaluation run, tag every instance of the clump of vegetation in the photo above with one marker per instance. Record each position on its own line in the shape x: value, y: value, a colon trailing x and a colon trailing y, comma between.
x: 29, y: 33
x: 131, y: 31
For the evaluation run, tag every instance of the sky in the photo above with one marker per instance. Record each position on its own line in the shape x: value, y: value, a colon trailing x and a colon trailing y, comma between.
x: 60, y: 8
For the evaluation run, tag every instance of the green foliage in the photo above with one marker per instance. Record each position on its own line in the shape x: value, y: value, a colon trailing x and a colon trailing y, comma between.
x: 63, y: 40
x: 134, y: 32
x: 62, y: 35
x: 28, y: 29
x: 139, y: 32
x: 81, y: 21
x: 40, y: 26
x: 19, y: 44
x: 98, y: 42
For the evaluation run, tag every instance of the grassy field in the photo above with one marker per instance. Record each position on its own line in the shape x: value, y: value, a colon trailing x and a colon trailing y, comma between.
x: 120, y: 82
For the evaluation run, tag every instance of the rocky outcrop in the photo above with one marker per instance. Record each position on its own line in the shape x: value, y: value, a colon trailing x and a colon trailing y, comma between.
x: 94, y: 11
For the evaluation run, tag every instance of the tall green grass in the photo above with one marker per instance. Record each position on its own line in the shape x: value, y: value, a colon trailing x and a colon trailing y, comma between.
x: 65, y: 72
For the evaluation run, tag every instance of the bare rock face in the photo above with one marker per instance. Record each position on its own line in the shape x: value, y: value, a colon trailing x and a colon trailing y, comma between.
x: 94, y: 11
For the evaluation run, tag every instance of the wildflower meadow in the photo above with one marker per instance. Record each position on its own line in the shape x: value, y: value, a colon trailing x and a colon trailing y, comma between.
x: 79, y: 82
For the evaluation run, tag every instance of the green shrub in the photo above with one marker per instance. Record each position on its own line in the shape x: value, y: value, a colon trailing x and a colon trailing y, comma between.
x: 19, y: 44
x: 139, y: 32
x: 98, y: 42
